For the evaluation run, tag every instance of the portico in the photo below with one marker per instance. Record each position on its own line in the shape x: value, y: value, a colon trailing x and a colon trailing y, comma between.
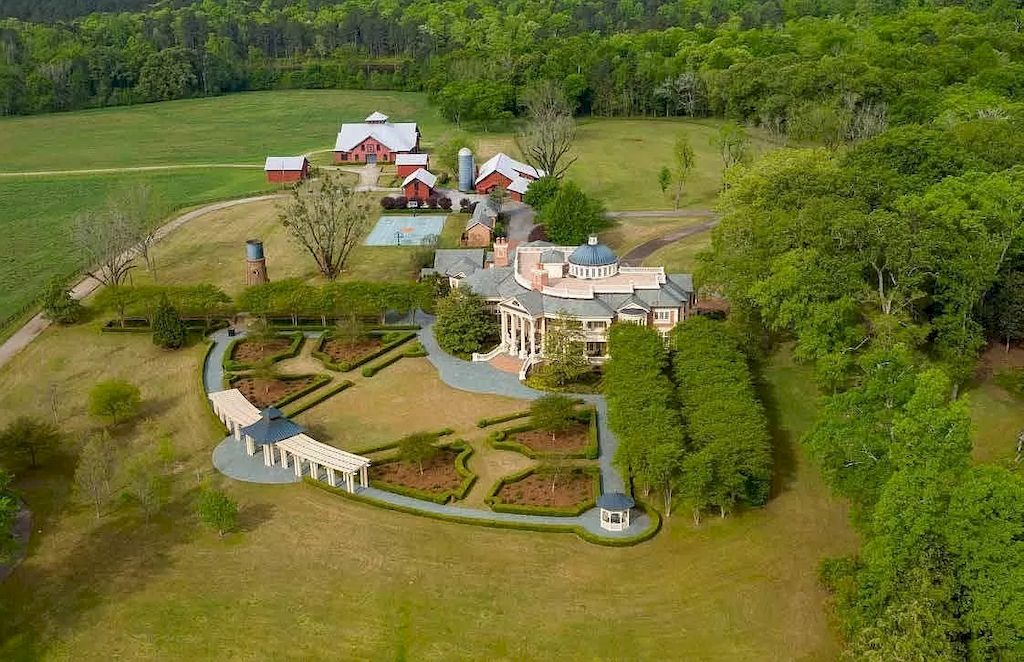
x: 519, y: 333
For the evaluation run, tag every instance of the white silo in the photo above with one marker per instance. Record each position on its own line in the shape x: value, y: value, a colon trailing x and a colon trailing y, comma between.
x: 467, y: 170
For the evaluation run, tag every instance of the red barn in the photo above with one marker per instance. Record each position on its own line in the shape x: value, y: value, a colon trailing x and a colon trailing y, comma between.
x: 406, y: 164
x: 419, y: 185
x: 375, y: 140
x: 283, y: 169
x: 503, y: 170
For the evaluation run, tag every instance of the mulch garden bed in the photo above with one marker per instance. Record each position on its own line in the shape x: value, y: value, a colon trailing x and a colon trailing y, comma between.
x: 573, y: 440
x: 265, y: 392
x: 248, y: 351
x: 571, y: 488
x: 348, y: 352
x: 439, y: 474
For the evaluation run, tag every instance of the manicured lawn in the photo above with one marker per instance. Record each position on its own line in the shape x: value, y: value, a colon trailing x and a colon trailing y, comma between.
x: 680, y: 256
x: 211, y: 249
x: 997, y: 414
x: 237, y: 128
x: 312, y: 572
x: 37, y: 216
x: 628, y: 233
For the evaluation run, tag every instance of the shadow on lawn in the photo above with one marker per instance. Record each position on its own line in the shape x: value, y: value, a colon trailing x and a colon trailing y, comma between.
x: 41, y: 604
x: 783, y: 441
x: 254, y: 516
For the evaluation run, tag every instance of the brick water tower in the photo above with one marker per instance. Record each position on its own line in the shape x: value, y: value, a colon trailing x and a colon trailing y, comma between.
x: 255, y: 263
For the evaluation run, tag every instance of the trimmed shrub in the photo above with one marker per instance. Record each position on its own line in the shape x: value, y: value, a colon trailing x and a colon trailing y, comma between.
x: 414, y: 352
x: 392, y: 337
x: 494, y: 420
x: 445, y: 203
x: 494, y: 500
x: 230, y: 365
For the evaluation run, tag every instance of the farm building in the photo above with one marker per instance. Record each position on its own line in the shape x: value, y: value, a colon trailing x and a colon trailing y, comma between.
x: 375, y: 140
x: 406, y: 164
x: 502, y: 170
x: 419, y: 185
x: 480, y: 227
x: 286, y: 168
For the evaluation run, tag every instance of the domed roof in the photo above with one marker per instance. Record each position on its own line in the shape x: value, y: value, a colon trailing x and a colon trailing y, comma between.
x: 593, y: 254
x: 465, y: 151
x: 552, y: 257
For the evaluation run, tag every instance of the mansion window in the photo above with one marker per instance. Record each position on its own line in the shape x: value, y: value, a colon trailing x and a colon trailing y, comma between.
x: 596, y: 326
x: 662, y: 315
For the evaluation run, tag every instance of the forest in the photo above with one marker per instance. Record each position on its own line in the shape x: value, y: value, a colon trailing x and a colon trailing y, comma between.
x: 810, y: 71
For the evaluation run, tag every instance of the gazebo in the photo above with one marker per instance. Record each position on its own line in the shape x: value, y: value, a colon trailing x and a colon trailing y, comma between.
x: 615, y: 508
x: 271, y: 428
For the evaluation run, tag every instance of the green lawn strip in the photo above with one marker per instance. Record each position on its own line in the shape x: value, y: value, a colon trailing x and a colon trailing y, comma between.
x: 397, y: 338
x: 468, y: 477
x: 501, y: 440
x: 393, y: 444
x: 494, y: 500
x: 522, y: 525
x: 231, y: 365
x: 318, y: 398
x: 416, y: 351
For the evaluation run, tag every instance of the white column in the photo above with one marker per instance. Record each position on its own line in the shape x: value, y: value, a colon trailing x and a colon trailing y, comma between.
x: 330, y: 477
x: 363, y: 480
x: 513, y: 346
x: 533, y: 337
x: 314, y: 470
x: 284, y: 458
x: 268, y: 455
x: 523, y: 330
x: 236, y: 429
x: 350, y: 483
x: 504, y: 327
x: 250, y: 446
x: 297, y: 461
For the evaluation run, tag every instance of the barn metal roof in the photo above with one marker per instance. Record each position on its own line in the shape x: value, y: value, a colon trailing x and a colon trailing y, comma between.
x: 285, y: 163
x: 425, y: 176
x: 396, y: 137
x: 508, y: 167
x: 419, y: 159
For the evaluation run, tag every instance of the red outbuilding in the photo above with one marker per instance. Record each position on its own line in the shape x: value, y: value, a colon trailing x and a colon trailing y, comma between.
x: 419, y: 185
x: 284, y: 169
x: 503, y: 170
x: 406, y: 164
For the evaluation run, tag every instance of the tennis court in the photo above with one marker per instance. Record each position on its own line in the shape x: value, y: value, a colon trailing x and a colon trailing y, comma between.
x: 405, y: 230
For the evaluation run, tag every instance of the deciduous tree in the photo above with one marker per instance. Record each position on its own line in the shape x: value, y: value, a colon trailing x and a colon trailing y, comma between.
x: 95, y: 470
x: 26, y: 441
x: 550, y: 129
x: 114, y: 400
x: 328, y: 219
x: 217, y: 510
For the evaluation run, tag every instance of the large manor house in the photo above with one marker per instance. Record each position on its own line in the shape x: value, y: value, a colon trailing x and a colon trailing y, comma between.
x: 530, y: 285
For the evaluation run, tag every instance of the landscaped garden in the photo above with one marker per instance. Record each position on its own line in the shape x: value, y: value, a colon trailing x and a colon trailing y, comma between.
x: 547, y: 490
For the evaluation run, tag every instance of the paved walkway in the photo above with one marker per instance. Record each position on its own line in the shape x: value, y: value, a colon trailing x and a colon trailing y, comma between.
x: 230, y: 458
x: 35, y: 326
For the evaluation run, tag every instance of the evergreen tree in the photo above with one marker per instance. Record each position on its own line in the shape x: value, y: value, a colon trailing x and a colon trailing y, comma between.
x: 463, y: 324
x: 168, y: 329
x: 572, y: 215
x: 59, y: 305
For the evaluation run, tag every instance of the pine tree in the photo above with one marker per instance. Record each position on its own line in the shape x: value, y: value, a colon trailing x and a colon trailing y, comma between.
x: 168, y: 329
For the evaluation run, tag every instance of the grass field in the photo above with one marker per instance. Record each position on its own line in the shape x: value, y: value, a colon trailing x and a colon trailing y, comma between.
x: 237, y: 128
x: 313, y: 574
x: 37, y: 215
x: 680, y: 256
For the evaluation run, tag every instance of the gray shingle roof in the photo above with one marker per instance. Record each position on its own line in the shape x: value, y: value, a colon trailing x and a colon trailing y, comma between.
x: 453, y: 261
x: 271, y: 428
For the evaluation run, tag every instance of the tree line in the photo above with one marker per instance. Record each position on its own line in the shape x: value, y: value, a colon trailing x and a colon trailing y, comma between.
x: 688, y: 420
x: 782, y: 66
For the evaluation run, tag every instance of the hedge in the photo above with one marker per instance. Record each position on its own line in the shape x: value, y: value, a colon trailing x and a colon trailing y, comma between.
x: 334, y: 390
x: 314, y: 385
x: 499, y: 440
x: 494, y: 420
x: 648, y: 533
x: 498, y: 506
x: 291, y: 351
x: 388, y: 445
x: 142, y: 325
x: 468, y: 478
x: 330, y: 364
x: 414, y: 352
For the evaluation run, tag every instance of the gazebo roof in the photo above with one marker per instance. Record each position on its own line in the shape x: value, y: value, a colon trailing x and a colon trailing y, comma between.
x: 271, y: 428
x: 615, y: 501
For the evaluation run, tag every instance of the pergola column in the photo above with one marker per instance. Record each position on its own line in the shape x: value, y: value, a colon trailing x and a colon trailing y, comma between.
x: 363, y: 481
x: 284, y: 458
x: 314, y: 470
x: 236, y: 430
x: 268, y: 455
x: 250, y: 446
x: 350, y: 483
x: 297, y: 460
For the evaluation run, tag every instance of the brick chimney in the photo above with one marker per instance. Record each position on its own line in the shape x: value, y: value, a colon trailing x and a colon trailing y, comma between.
x: 539, y: 278
x: 501, y: 252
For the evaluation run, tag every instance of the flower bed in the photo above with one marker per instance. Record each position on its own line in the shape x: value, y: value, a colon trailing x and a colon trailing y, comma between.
x: 443, y: 478
x: 276, y: 391
x: 244, y: 354
x: 580, y: 441
x: 336, y: 356
x: 545, y: 490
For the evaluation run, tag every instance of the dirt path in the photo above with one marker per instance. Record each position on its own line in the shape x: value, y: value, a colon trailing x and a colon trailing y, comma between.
x: 636, y: 256
x: 87, y: 285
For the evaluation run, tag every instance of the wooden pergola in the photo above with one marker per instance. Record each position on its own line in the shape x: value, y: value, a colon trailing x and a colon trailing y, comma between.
x: 237, y: 413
